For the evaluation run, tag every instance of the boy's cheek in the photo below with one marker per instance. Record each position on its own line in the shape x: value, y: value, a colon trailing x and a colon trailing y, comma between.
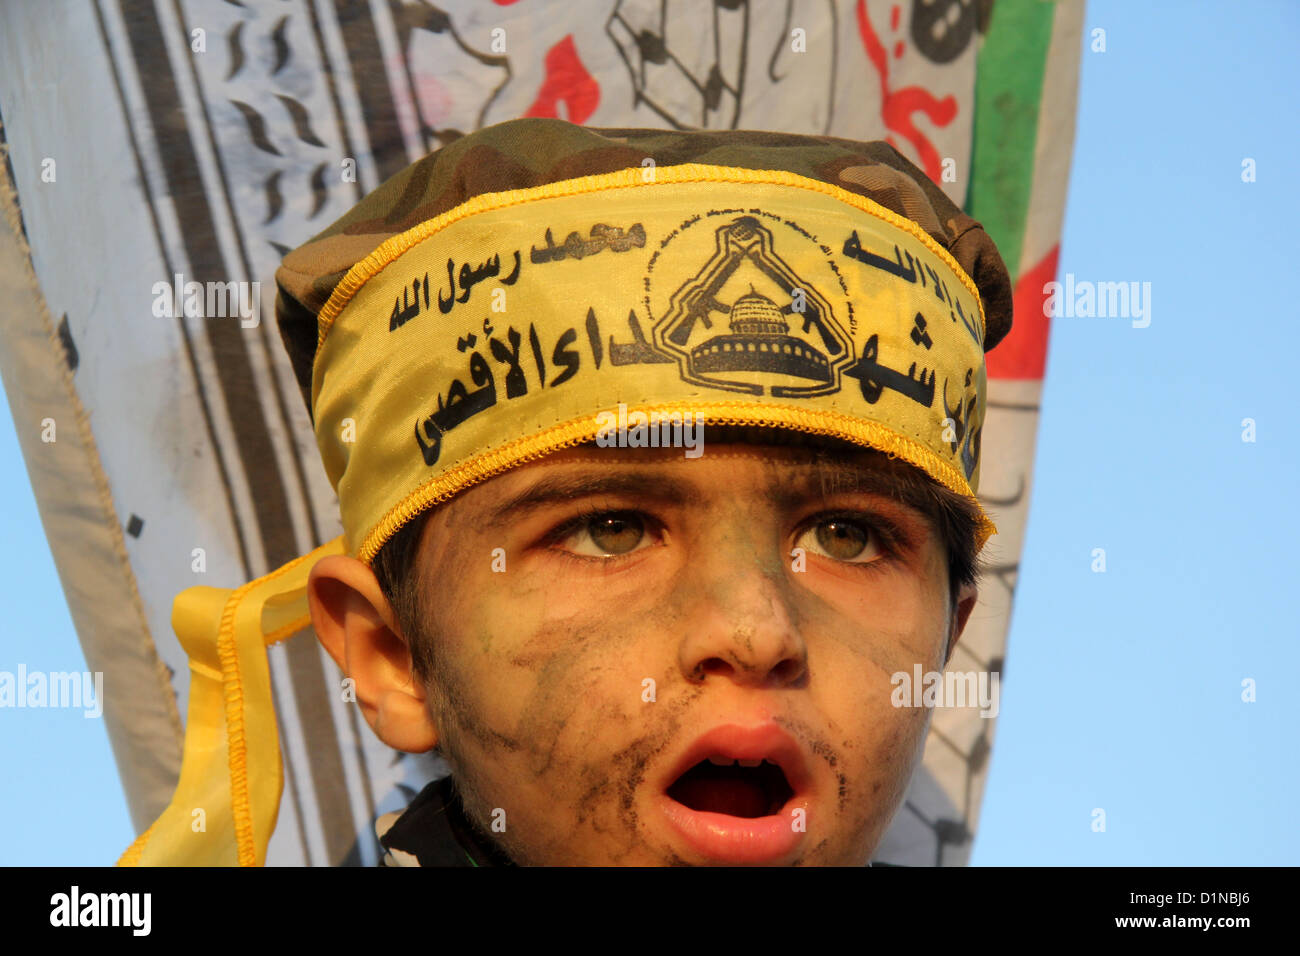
x: 563, y: 796
x: 553, y: 684
x: 879, y: 768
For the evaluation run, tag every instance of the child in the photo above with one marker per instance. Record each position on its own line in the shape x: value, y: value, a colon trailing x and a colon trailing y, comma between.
x: 656, y: 456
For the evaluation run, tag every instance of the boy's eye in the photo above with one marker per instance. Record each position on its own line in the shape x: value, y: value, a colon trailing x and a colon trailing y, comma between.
x: 605, y: 535
x: 843, y: 539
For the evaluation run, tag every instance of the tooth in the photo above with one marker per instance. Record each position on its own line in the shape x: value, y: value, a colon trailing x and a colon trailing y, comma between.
x: 721, y: 761
x: 750, y: 763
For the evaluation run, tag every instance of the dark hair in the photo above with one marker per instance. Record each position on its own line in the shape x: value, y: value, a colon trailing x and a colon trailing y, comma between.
x: 396, y: 569
x: 955, y: 517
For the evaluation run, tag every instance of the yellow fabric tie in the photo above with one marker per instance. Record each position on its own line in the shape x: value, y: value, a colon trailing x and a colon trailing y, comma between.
x: 228, y: 797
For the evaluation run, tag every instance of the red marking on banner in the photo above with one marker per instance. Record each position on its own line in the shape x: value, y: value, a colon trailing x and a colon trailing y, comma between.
x: 898, y: 50
x: 893, y: 17
x: 1023, y: 353
x: 504, y: 3
x: 897, y: 106
x: 568, y: 80
x: 432, y: 97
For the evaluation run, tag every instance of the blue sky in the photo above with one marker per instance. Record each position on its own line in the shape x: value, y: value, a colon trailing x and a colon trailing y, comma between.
x: 1122, y: 690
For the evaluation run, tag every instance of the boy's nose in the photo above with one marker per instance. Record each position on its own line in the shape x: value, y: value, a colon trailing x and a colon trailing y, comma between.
x: 742, y: 623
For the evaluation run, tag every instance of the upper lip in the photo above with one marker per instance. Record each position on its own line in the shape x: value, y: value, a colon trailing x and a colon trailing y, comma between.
x: 764, y: 741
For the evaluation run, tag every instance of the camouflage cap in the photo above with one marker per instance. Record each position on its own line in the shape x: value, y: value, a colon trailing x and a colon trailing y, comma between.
x: 522, y: 153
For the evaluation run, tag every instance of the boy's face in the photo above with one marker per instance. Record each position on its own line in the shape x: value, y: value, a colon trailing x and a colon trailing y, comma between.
x: 606, y: 621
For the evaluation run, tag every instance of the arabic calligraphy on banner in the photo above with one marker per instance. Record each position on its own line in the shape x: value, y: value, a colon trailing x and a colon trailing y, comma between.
x: 408, y: 306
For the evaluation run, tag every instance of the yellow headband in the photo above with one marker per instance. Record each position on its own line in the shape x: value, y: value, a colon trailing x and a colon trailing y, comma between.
x: 500, y: 331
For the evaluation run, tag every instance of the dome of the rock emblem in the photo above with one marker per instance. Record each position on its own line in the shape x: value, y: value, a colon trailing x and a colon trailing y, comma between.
x: 760, y: 341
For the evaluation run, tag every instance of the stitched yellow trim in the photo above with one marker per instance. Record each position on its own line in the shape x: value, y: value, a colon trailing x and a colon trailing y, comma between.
x: 288, y: 630
x: 236, y: 750
x: 567, y: 434
x: 233, y: 689
x: 391, y: 249
x: 132, y: 855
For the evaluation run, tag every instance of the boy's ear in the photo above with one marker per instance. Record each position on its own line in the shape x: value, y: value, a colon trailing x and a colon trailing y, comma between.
x: 967, y: 597
x: 357, y: 627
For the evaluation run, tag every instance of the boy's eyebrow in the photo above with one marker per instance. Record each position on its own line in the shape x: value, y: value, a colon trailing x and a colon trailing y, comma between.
x: 829, y: 477
x: 812, y: 479
x: 834, y: 476
x: 555, y: 489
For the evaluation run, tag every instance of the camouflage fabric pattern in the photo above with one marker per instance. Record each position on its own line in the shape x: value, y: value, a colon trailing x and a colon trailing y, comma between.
x: 523, y: 153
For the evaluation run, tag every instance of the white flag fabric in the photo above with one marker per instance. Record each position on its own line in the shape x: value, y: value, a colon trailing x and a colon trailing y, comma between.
x: 150, y: 144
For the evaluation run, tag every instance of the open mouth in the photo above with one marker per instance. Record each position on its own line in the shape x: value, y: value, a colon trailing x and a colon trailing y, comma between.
x: 737, y: 788
x: 741, y: 793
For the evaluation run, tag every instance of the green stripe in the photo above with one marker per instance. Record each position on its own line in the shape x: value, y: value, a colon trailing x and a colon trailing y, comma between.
x: 1008, y: 90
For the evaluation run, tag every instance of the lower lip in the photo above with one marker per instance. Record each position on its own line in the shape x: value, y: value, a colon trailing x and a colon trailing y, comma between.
x: 727, y: 839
